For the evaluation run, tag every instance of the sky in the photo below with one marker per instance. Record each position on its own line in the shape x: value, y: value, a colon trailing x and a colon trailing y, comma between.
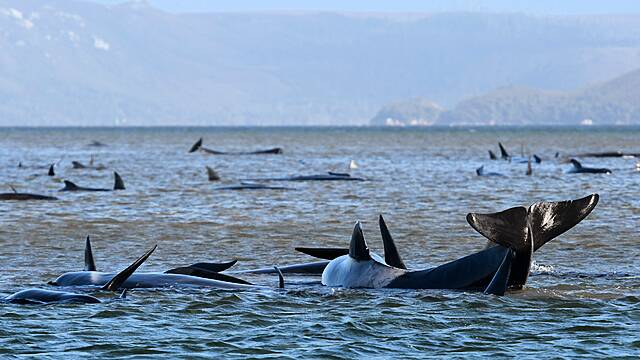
x: 573, y: 7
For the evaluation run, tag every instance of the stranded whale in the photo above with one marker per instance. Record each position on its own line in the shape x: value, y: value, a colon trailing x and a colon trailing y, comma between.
x: 329, y: 176
x: 579, y: 169
x: 17, y: 196
x: 118, y: 185
x: 198, y: 146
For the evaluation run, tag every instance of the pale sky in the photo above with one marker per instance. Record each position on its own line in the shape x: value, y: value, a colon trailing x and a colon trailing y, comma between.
x: 533, y: 7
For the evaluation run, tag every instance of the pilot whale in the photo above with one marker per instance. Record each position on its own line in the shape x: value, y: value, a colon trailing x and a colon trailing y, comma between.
x: 579, y: 169
x: 198, y: 146
x: 197, y: 275
x: 118, y: 185
x: 329, y: 176
x: 17, y: 196
x: 45, y: 296
x: 504, y: 155
x: 480, y: 172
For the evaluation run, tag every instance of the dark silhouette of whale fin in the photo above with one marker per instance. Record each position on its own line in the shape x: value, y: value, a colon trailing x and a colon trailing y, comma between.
x: 89, y: 263
x: 503, y: 153
x: 214, y: 267
x: 13, y: 189
x: 323, y: 253
x: 280, y: 277
x: 118, y: 184
x: 550, y: 219
x: 69, y: 186
x: 212, y: 174
x: 358, y: 249
x: 77, y: 165
x: 117, y: 281
x: 480, y: 171
x: 202, y: 273
x: 507, y: 228
x: 492, y: 155
x: 500, y: 281
x: 391, y: 254
x: 537, y: 159
x: 576, y: 164
x: 51, y: 172
x: 196, y: 146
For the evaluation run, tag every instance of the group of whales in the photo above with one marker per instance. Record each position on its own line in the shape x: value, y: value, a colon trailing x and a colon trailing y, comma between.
x: 513, y: 236
x: 577, y: 167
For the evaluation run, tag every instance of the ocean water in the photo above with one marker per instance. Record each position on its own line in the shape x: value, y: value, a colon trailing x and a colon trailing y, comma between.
x: 582, y: 299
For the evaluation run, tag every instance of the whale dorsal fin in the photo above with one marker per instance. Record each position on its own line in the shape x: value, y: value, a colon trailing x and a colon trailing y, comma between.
x: 550, y: 219
x: 118, y: 183
x: 358, y: 249
x: 212, y: 174
x: 492, y: 155
x: 117, y: 281
x: 51, y: 172
x: 503, y: 153
x: 480, y: 170
x: 507, y: 228
x: 576, y: 164
x: 89, y: 263
x: 323, y: 253
x: 77, y: 165
x: 196, y: 146
x: 537, y: 159
x: 391, y: 254
x: 68, y: 185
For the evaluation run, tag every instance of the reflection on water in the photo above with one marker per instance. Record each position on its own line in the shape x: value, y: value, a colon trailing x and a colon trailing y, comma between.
x: 582, y: 298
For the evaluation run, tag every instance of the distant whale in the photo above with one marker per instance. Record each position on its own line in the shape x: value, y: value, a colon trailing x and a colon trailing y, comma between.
x: 252, y: 186
x: 606, y: 154
x: 43, y: 296
x: 24, y: 196
x: 198, y: 146
x: 197, y: 275
x: 579, y: 169
x: 480, y: 172
x: 329, y: 176
x: 118, y: 185
x: 505, y: 156
x: 212, y: 174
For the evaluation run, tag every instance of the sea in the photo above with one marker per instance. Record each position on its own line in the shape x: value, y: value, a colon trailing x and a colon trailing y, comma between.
x: 582, y: 298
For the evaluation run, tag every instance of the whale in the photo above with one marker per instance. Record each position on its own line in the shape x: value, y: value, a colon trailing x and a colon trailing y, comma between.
x: 212, y: 175
x: 492, y: 155
x: 118, y: 185
x: 480, y: 172
x: 608, y: 154
x: 504, y: 155
x: 198, y: 275
x: 47, y: 296
x: 359, y: 269
x: 329, y: 176
x: 18, y: 196
x: 579, y: 169
x: 252, y: 186
x: 91, y: 166
x: 198, y: 147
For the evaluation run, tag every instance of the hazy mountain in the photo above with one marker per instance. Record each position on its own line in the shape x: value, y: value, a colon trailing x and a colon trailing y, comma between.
x: 79, y: 63
x: 613, y: 102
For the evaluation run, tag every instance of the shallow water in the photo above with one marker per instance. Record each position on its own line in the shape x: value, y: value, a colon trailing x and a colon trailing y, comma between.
x: 583, y: 298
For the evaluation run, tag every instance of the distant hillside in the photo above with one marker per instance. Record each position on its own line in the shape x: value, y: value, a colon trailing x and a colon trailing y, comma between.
x: 79, y: 63
x: 613, y: 102
x: 417, y: 112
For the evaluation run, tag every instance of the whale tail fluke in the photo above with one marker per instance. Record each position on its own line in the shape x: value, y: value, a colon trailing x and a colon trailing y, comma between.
x: 358, y: 248
x: 89, y: 262
x: 118, y: 183
x: 507, y: 228
x: 51, y: 172
x: 391, y: 254
x: 196, y: 146
x: 116, y: 282
x: 550, y: 219
x: 69, y: 186
x: 212, y: 174
x: 492, y: 155
x: 503, y: 153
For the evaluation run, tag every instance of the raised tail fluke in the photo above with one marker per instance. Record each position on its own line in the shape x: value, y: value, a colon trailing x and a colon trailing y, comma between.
x: 89, y: 262
x: 280, y: 277
x: 196, y: 146
x: 391, y: 254
x: 117, y: 281
x: 503, y: 153
x: 212, y: 174
x: 118, y: 183
x: 507, y: 228
x: 550, y: 219
x: 51, y: 172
